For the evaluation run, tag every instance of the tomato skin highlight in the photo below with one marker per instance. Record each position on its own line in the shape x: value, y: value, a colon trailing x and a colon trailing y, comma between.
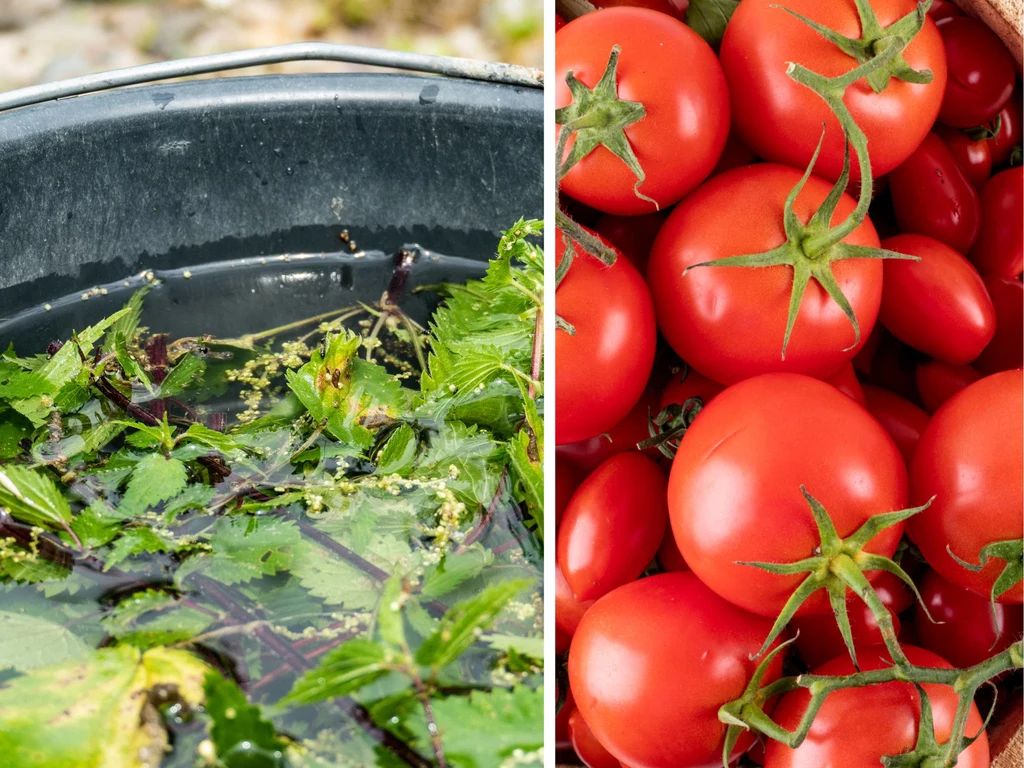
x: 974, y: 156
x: 613, y: 525
x: 937, y: 382
x: 938, y: 305
x: 586, y: 455
x: 971, y: 459
x: 668, y: 68
x: 838, y: 736
x: 602, y: 370
x: 999, y: 248
x: 662, y: 654
x: 1006, y: 350
x: 967, y: 630
x: 981, y: 72
x: 903, y: 420
x: 734, y: 490
x: 728, y: 322
x: 931, y: 195
x: 587, y: 747
x: 782, y: 120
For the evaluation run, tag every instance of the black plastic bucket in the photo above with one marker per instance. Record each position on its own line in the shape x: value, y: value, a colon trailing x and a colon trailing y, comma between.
x: 98, y: 188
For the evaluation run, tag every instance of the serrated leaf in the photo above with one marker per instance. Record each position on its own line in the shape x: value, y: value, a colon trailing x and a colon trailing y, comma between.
x: 32, y: 497
x: 242, y: 736
x: 399, y: 452
x: 709, y: 18
x: 128, y: 322
x: 343, y: 671
x: 133, y: 542
x: 390, y: 619
x: 453, y: 570
x: 154, y: 479
x: 27, y: 642
x: 186, y: 373
x: 246, y: 548
x: 460, y: 626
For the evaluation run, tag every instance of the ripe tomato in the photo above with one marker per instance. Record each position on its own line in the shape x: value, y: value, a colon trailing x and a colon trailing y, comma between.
x: 818, y: 638
x: 1009, y: 134
x: 653, y: 661
x: 943, y: 9
x: 588, y: 454
x: 845, y: 380
x: 613, y: 525
x: 971, y: 458
x: 675, y: 8
x: 903, y: 420
x: 728, y: 322
x: 568, y: 610
x: 931, y: 195
x: 669, y: 557
x: 632, y: 235
x: 999, y: 249
x: 688, y: 383
x: 981, y: 73
x: 967, y: 631
x: 892, y: 366
x: 781, y: 120
x: 588, y: 748
x: 974, y: 156
x: 938, y: 305
x: 735, y: 154
x: 562, y: 740
x: 937, y: 382
x: 566, y: 481
x: 674, y: 74
x: 734, y: 491
x: 841, y: 736
x: 1006, y: 350
x: 559, y: 22
x: 601, y: 370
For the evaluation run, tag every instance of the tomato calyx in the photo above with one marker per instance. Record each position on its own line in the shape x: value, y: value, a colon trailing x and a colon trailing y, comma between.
x: 985, y: 132
x: 1010, y: 552
x: 597, y: 117
x: 876, y: 40
x: 747, y: 712
x: 669, y: 426
x: 839, y: 564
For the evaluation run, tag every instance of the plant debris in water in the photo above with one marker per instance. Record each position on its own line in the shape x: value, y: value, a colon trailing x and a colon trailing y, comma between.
x: 340, y: 572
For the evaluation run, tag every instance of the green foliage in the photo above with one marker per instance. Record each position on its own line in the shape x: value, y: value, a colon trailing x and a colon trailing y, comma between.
x: 32, y: 497
x: 708, y: 18
x: 242, y: 736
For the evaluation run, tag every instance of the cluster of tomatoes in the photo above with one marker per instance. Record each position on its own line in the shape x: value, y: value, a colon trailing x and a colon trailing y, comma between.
x: 712, y: 421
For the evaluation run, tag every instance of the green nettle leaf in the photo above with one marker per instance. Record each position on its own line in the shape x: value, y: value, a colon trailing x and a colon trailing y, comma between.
x: 246, y: 548
x: 528, y: 475
x: 346, y: 669
x: 525, y: 646
x: 22, y: 384
x: 131, y: 367
x: 483, y: 729
x: 399, y: 452
x: 242, y: 736
x: 390, y: 618
x: 708, y: 18
x: 186, y: 373
x: 447, y: 575
x: 27, y: 642
x: 13, y: 429
x: 128, y: 321
x: 468, y: 456
x: 96, y: 712
x: 32, y: 497
x: 136, y: 541
x: 154, y: 479
x: 461, y: 625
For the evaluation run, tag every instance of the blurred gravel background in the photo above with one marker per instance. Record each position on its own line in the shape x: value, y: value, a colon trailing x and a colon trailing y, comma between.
x: 44, y: 40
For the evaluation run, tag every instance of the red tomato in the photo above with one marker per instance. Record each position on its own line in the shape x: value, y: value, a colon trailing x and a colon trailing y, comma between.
x: 943, y: 9
x: 566, y: 481
x: 932, y: 196
x: 601, y: 370
x: 559, y: 22
x: 588, y: 748
x: 845, y: 380
x: 971, y: 458
x: 734, y: 491
x: 981, y: 73
x: 568, y: 610
x: 562, y: 740
x: 1009, y: 134
x: 903, y: 420
x: 729, y: 322
x: 669, y: 557
x: 612, y: 526
x: 937, y: 382
x: 938, y: 305
x: 781, y: 120
x: 587, y: 454
x: 653, y: 661
x: 999, y: 249
x: 686, y: 384
x: 840, y: 735
x: 668, y: 68
x: 675, y: 8
x: 967, y: 631
x: 1006, y: 350
x: 735, y: 154
x: 974, y: 156
x: 892, y: 366
x: 632, y: 235
x: 818, y: 638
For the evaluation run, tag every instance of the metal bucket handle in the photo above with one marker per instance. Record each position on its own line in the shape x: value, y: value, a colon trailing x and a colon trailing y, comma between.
x: 467, y: 69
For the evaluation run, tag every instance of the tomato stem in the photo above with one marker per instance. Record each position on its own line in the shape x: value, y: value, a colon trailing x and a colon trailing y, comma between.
x: 1010, y: 552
